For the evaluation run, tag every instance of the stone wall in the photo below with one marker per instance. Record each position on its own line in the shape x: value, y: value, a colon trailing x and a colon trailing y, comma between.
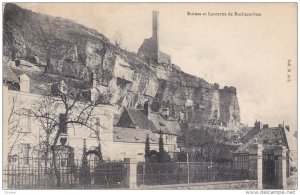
x: 226, y: 185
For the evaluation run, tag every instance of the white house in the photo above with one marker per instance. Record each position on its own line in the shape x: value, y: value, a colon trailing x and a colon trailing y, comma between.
x: 24, y: 90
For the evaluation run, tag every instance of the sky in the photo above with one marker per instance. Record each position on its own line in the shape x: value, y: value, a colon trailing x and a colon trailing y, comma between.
x: 251, y: 53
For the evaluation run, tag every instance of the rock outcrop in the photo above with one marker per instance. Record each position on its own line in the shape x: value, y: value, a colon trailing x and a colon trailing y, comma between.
x: 59, y: 45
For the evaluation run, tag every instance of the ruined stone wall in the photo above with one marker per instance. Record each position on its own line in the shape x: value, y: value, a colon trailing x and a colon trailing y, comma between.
x: 229, y: 106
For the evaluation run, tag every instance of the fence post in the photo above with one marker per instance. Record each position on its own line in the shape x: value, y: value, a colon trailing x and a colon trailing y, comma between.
x: 188, y: 167
x: 144, y: 172
x: 283, y: 162
x: 5, y: 179
x: 259, y: 167
x: 256, y: 164
x: 131, y: 176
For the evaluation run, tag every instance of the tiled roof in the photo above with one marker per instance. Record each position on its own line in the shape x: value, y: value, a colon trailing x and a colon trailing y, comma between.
x: 139, y: 118
x: 269, y: 136
x: 9, y: 75
x: 250, y: 135
x: 166, y: 126
x: 131, y: 135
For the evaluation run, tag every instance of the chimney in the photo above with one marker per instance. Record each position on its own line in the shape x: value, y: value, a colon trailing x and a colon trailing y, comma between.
x: 24, y: 83
x: 265, y: 126
x: 155, y: 25
x: 155, y: 34
x: 258, y: 124
x: 166, y: 113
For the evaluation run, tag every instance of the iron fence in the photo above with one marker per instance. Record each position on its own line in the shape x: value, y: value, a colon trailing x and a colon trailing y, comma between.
x: 182, y: 172
x: 97, y: 175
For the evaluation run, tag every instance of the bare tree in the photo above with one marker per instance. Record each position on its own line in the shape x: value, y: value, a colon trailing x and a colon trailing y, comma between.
x: 15, y: 129
x: 67, y: 105
x: 48, y: 108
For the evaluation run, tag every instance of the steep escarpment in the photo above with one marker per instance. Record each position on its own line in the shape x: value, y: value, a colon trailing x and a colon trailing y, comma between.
x: 61, y: 46
x: 194, y: 100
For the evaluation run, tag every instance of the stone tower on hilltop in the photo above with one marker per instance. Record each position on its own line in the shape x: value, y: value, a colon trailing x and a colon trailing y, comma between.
x: 150, y: 47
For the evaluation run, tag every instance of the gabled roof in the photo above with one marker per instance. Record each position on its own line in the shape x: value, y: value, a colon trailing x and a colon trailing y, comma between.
x: 140, y: 120
x: 131, y: 135
x: 274, y: 136
x: 8, y: 74
x: 155, y: 122
x: 250, y: 134
x: 164, y: 125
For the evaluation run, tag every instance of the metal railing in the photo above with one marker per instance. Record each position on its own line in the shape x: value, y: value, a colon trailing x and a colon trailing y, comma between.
x: 182, y: 172
x: 97, y: 175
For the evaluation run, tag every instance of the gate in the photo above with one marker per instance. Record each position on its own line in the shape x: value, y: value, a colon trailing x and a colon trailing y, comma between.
x: 270, y: 171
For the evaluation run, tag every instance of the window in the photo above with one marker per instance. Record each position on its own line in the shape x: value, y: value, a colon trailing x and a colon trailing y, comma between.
x: 25, y: 122
x: 24, y: 153
x: 95, y: 125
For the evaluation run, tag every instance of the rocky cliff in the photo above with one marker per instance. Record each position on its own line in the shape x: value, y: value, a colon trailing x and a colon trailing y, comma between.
x: 62, y: 46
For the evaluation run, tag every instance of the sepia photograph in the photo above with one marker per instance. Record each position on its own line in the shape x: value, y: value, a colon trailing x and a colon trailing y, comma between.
x: 149, y: 96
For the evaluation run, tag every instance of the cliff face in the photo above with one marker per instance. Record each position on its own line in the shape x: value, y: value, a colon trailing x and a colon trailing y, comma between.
x: 58, y: 45
x: 195, y: 101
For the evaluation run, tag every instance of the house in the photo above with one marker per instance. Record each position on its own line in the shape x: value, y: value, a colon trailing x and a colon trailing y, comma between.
x: 157, y: 123
x: 24, y: 89
x: 23, y: 134
x: 267, y: 152
x: 130, y: 143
